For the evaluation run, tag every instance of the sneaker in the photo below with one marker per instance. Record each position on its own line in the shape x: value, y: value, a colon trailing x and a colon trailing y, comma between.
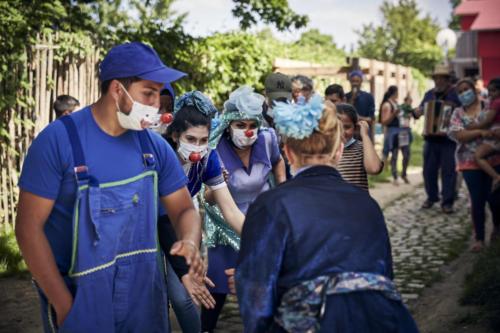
x: 405, y: 179
x: 427, y: 204
x: 395, y: 182
x: 447, y: 209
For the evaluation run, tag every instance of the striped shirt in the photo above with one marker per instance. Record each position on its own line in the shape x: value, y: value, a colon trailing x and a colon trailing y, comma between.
x: 351, y: 165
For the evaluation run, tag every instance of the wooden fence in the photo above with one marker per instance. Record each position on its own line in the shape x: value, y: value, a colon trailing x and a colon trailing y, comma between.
x: 379, y: 76
x: 47, y: 79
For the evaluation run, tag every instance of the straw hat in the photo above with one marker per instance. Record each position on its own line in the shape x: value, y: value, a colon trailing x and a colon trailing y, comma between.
x: 441, y: 70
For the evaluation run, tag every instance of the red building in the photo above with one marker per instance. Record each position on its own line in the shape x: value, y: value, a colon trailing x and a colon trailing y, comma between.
x: 478, y: 45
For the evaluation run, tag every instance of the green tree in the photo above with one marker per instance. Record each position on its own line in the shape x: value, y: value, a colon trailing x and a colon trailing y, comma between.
x: 454, y: 20
x: 276, y: 12
x: 404, y: 37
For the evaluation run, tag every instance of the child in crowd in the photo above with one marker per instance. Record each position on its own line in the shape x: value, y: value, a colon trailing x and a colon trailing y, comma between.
x: 335, y: 94
x: 64, y: 105
x: 359, y: 157
x: 491, y: 121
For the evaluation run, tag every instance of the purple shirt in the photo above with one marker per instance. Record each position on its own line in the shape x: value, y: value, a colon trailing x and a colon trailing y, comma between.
x: 246, y: 184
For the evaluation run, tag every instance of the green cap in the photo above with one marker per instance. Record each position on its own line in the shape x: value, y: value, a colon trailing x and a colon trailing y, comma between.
x: 278, y: 86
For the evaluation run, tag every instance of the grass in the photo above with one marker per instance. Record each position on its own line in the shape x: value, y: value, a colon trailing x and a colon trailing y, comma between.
x: 11, y: 261
x: 482, y: 286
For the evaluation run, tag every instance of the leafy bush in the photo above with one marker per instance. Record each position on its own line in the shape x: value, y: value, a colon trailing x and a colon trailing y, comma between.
x: 11, y: 261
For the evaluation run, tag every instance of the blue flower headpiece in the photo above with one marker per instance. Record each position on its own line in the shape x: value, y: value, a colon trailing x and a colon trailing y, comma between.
x: 298, y: 121
x: 197, y: 99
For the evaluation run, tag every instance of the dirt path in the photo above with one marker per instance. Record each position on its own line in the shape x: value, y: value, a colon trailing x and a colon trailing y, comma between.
x: 438, y: 309
x: 19, y: 307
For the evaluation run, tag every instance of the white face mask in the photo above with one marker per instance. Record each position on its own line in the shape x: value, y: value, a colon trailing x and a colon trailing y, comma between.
x: 140, y: 116
x: 242, y: 138
x: 191, y: 153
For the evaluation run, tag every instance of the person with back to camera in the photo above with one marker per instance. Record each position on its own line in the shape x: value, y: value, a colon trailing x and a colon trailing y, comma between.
x: 315, y: 253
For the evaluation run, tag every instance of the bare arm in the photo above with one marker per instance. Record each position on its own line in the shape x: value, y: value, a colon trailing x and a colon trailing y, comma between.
x: 232, y: 215
x: 32, y: 213
x: 372, y: 163
x: 418, y: 112
x: 187, y: 224
x: 469, y: 135
x: 387, y: 114
x: 279, y: 171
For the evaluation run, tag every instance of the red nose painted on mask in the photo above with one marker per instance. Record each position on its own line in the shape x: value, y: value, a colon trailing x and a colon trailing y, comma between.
x: 166, y: 118
x: 249, y: 133
x: 194, y: 157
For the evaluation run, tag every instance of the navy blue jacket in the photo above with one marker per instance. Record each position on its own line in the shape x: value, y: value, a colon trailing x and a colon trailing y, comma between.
x: 314, y: 224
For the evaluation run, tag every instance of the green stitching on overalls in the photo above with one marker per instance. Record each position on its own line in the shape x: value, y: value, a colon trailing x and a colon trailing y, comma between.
x: 112, y: 262
x: 71, y: 272
x: 49, y: 317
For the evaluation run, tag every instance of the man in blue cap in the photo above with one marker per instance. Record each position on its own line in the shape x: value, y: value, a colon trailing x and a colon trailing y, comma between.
x: 87, y: 213
x: 362, y: 101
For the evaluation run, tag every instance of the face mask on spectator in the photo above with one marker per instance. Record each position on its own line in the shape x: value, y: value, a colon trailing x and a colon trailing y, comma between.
x: 467, y: 97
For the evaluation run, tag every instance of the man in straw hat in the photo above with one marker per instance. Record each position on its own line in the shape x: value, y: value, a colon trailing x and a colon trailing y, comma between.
x: 439, y: 150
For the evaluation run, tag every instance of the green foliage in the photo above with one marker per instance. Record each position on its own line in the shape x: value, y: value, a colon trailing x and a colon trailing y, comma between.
x: 11, y: 261
x: 482, y: 285
x: 454, y: 20
x: 220, y: 63
x: 404, y: 37
x: 276, y: 12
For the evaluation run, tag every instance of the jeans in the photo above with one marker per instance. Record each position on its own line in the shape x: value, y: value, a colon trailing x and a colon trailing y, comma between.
x: 185, y: 310
x: 440, y: 156
x: 479, y: 186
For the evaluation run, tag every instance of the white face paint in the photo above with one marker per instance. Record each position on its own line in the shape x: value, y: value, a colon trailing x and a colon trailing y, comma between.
x: 140, y: 116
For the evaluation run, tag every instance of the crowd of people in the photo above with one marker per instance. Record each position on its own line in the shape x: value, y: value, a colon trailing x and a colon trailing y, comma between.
x: 109, y: 216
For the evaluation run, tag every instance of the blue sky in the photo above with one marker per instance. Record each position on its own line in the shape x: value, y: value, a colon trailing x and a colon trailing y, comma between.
x: 338, y: 18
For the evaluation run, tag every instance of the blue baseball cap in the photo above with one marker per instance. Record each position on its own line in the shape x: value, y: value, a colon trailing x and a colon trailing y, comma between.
x: 356, y: 73
x: 168, y: 89
x: 136, y: 60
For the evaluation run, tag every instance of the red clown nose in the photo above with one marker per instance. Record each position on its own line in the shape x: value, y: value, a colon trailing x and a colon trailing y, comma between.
x: 249, y: 133
x: 194, y: 157
x: 166, y: 118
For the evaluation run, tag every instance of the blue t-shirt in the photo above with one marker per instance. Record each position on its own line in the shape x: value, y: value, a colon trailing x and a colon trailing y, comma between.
x: 364, y: 104
x: 48, y: 171
x: 208, y: 171
x: 450, y: 96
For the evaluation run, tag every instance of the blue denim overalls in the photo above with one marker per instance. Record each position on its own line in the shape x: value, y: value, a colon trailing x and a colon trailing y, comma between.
x: 117, y: 275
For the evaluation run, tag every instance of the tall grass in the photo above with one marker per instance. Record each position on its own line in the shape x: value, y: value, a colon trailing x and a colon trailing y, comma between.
x: 11, y: 261
x: 482, y: 285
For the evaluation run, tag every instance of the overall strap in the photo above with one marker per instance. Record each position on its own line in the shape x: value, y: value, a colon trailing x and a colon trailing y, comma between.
x: 147, y: 155
x: 80, y: 166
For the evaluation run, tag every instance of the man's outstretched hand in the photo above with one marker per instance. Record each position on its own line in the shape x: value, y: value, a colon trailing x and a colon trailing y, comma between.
x: 189, y: 250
